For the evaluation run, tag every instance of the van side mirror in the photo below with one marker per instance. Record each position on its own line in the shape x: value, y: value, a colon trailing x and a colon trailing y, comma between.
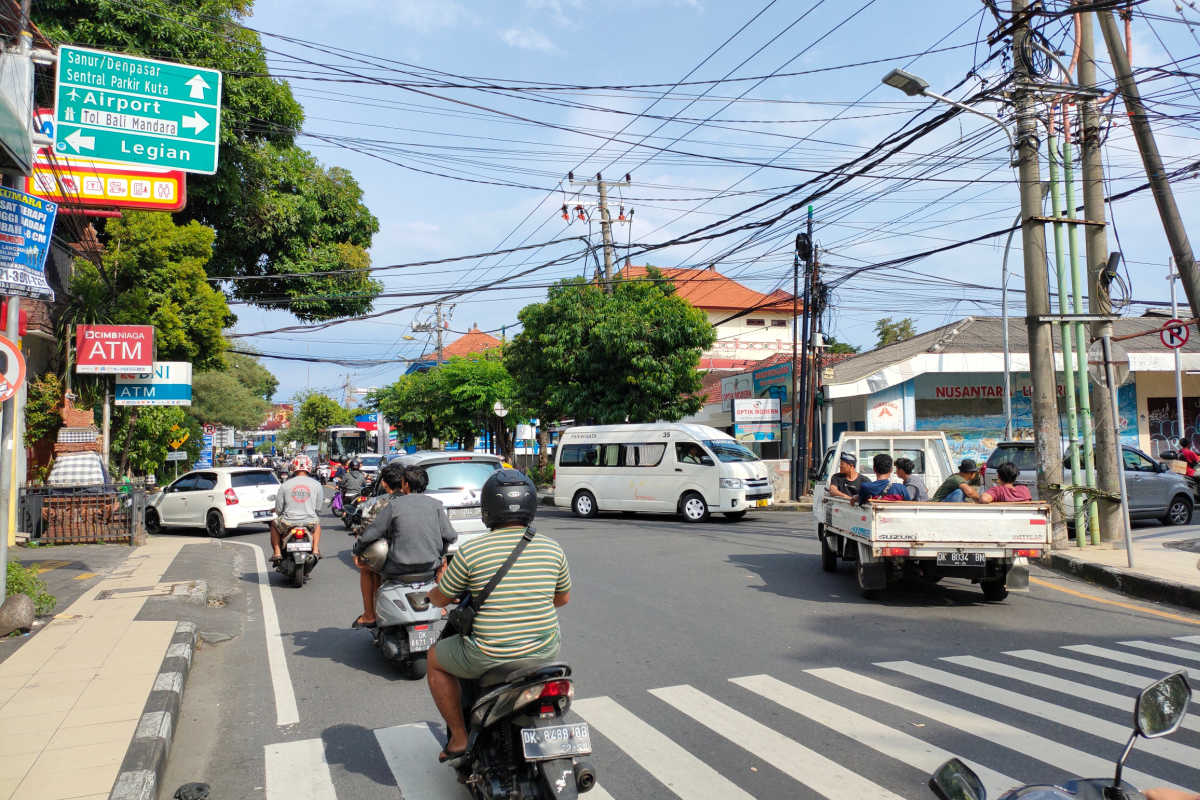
x: 954, y: 780
x: 705, y: 461
x: 814, y: 474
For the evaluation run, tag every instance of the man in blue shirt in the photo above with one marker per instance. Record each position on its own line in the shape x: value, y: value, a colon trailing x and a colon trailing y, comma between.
x: 884, y: 487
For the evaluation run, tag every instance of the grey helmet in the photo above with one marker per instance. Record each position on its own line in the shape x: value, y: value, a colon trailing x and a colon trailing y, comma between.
x: 376, y: 554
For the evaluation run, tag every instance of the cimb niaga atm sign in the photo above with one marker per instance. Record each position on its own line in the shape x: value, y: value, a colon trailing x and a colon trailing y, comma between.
x: 106, y: 349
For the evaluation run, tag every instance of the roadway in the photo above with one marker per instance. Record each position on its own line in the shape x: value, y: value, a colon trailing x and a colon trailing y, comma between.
x: 712, y: 660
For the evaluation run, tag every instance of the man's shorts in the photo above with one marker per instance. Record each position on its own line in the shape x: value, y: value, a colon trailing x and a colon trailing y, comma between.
x: 462, y: 657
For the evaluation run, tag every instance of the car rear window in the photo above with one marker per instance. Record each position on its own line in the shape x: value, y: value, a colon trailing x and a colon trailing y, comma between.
x: 1020, y: 455
x: 256, y: 478
x: 458, y: 475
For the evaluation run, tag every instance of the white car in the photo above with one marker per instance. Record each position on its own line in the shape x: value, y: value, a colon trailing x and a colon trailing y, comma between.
x: 218, y: 499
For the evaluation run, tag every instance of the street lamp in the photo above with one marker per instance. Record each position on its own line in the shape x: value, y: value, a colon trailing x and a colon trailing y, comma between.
x: 914, y: 86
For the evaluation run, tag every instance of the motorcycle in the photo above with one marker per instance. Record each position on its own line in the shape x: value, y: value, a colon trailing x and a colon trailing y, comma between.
x: 1158, y: 711
x: 298, y: 558
x: 407, y: 624
x: 518, y: 745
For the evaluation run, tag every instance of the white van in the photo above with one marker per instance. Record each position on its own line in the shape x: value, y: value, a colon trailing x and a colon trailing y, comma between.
x: 661, y: 467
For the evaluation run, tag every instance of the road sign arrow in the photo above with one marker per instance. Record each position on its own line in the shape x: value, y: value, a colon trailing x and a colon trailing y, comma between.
x: 197, y: 85
x: 195, y: 122
x: 80, y: 142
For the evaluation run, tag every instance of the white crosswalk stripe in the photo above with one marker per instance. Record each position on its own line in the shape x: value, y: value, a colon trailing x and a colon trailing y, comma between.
x: 987, y: 708
x: 809, y: 767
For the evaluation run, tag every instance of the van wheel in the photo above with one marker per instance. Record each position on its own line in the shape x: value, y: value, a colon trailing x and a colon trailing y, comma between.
x: 693, y: 507
x: 734, y: 515
x: 1179, y: 512
x: 584, y: 504
x: 214, y: 524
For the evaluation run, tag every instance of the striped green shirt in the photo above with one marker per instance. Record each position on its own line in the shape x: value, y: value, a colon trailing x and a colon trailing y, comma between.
x: 519, y: 616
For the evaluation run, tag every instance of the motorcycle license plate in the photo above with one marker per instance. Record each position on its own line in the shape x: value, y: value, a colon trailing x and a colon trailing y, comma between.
x: 961, y: 560
x: 556, y: 741
x: 421, y: 640
x: 299, y: 547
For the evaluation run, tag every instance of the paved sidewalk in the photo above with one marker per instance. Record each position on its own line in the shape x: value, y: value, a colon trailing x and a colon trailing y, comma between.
x: 1166, y: 565
x: 71, y: 697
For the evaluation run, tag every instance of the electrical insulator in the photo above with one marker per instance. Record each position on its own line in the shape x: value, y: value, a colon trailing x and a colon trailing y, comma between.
x: 579, y: 213
x: 566, y: 216
x: 621, y: 216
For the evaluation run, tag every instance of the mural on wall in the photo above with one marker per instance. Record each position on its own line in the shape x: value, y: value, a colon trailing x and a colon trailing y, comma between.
x: 1164, y: 424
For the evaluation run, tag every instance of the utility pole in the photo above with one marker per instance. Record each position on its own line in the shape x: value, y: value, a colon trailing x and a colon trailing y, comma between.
x: 602, y: 187
x: 1172, y: 276
x: 437, y: 328
x: 1095, y: 237
x: 804, y: 252
x: 1177, y: 237
x: 1046, y: 430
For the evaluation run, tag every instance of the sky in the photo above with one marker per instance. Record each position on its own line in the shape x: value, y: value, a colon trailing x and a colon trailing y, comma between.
x: 462, y: 120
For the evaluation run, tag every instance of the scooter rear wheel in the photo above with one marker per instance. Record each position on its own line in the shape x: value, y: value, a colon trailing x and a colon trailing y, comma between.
x: 297, y: 576
x: 415, y: 669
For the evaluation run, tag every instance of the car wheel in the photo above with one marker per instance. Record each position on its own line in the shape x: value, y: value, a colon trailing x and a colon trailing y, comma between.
x: 693, y: 508
x: 828, y: 557
x: 214, y: 524
x: 153, y: 522
x: 1179, y: 512
x: 860, y: 573
x: 584, y: 504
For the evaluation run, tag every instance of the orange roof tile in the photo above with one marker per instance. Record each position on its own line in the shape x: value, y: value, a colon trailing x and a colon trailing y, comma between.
x: 473, y: 341
x: 708, y: 289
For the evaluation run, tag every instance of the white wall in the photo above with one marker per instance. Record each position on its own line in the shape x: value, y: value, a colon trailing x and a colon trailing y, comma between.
x: 737, y: 339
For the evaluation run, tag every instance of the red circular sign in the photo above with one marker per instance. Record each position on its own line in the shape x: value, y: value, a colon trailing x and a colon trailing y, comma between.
x: 13, y: 374
x: 1174, y: 334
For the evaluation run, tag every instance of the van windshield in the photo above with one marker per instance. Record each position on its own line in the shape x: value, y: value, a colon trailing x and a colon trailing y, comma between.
x: 728, y: 450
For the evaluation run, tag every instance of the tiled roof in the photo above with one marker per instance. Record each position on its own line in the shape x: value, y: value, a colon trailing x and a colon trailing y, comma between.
x: 473, y: 341
x: 710, y: 386
x: 708, y: 289
x: 730, y: 365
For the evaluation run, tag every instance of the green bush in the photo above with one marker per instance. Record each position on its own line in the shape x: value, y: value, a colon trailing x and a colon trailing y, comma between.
x: 25, y: 580
x: 542, y: 476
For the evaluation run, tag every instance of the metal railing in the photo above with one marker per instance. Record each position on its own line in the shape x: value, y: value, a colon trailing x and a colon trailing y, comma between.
x: 112, y: 512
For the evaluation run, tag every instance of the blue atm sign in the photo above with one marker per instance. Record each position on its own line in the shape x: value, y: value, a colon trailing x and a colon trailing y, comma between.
x: 170, y: 384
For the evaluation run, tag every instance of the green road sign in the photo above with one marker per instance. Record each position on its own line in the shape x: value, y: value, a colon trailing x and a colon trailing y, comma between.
x: 137, y: 110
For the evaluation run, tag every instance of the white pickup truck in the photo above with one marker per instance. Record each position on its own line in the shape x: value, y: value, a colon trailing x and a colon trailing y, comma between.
x: 888, y: 540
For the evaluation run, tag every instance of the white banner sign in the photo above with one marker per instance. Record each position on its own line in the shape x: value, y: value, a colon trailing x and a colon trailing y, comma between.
x: 736, y: 387
x: 756, y: 409
x: 170, y: 384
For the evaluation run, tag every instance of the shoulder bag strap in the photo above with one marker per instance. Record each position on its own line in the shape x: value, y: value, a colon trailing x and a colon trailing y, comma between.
x: 478, y: 602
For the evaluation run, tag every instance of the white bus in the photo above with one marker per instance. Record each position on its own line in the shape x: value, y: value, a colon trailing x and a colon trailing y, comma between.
x: 673, y: 468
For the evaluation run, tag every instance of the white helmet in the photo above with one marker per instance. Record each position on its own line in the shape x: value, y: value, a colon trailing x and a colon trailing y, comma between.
x: 302, y: 463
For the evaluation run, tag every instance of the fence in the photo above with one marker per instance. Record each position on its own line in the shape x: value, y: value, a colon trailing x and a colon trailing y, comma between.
x: 82, y: 514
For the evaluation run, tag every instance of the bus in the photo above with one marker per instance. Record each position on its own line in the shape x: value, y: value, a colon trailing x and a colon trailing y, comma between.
x: 343, y: 441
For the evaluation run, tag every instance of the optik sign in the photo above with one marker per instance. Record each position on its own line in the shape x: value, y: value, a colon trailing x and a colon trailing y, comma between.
x: 111, y: 349
x: 169, y: 385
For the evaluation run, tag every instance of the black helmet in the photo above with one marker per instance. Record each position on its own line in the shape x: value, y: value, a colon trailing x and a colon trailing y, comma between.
x: 508, y: 497
x: 355, y: 464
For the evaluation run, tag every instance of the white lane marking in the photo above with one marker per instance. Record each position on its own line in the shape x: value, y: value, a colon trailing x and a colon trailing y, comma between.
x: 901, y: 746
x: 1166, y: 650
x: 1189, y: 639
x: 1025, y: 704
x: 286, y: 711
x: 1083, y: 668
x: 1075, y: 688
x: 1059, y: 756
x: 685, y: 775
x: 822, y: 775
x: 298, y: 771
x: 1154, y: 665
x: 411, y: 752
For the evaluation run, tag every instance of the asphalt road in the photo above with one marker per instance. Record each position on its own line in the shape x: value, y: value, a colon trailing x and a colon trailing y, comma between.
x: 850, y: 698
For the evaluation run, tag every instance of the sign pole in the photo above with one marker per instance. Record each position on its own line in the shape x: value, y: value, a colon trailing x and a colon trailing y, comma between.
x: 106, y: 428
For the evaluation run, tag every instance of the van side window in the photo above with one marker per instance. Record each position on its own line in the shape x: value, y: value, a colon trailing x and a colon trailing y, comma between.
x: 579, y: 455
x: 610, y: 455
x: 691, y: 453
x: 644, y: 455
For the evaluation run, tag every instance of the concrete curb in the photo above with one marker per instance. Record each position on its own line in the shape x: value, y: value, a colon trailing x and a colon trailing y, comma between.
x: 146, y: 758
x: 1134, y: 584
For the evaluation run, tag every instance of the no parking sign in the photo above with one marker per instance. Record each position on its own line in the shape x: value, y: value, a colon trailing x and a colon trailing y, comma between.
x: 1174, y: 334
x: 12, y: 369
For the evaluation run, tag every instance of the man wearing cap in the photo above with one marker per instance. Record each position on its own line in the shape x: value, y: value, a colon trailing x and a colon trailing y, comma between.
x: 957, y: 488
x: 847, y: 481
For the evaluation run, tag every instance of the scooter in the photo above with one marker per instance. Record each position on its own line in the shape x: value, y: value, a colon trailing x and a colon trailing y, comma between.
x: 298, y: 559
x: 1158, y: 711
x: 407, y: 624
x: 518, y: 744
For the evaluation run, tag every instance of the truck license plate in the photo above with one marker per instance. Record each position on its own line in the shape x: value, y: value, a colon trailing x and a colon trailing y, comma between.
x: 556, y: 741
x: 961, y: 560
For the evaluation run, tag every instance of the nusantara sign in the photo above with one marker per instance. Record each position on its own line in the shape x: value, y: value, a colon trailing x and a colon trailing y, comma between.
x: 110, y: 349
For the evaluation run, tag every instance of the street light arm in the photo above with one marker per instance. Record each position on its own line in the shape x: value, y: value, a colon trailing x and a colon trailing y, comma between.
x: 1011, y: 142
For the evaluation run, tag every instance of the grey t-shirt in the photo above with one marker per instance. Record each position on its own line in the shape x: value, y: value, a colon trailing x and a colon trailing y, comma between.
x: 917, y: 484
x: 298, y: 501
x: 417, y: 529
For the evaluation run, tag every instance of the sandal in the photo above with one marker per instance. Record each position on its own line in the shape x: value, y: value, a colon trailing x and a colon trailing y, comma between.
x: 450, y: 755
x: 358, y: 623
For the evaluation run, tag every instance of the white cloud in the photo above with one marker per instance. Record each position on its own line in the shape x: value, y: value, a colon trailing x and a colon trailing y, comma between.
x: 557, y: 9
x: 424, y: 16
x: 528, y: 39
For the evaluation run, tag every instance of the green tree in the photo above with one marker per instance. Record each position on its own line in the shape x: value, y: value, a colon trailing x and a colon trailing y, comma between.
x: 275, y: 209
x: 222, y: 399
x: 151, y: 271
x: 141, y: 437
x: 890, y: 332
x: 314, y: 413
x: 592, y: 356
x: 832, y: 345
x: 250, y: 372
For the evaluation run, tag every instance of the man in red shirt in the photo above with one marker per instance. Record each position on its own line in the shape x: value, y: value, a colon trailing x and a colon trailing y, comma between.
x: 1186, y: 453
x: 1005, y: 489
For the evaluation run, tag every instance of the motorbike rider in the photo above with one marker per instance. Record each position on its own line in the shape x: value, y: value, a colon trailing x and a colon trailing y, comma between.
x: 297, y: 502
x: 353, y: 481
x: 518, y: 620
x: 416, y: 527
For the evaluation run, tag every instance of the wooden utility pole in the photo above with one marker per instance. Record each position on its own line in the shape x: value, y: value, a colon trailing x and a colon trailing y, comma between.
x: 602, y: 187
x: 1099, y: 302
x: 1046, y: 429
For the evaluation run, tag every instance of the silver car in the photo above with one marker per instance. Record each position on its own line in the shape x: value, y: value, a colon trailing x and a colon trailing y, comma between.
x: 1155, y: 492
x: 455, y: 478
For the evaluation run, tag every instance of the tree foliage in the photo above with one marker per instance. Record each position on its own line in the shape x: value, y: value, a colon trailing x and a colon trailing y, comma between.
x: 832, y: 345
x: 275, y: 209
x: 314, y: 413
x: 220, y: 398
x: 605, y: 358
x: 141, y: 437
x: 890, y: 332
x: 151, y: 271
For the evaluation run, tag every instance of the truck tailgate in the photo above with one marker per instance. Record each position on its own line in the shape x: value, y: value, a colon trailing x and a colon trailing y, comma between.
x: 958, y: 524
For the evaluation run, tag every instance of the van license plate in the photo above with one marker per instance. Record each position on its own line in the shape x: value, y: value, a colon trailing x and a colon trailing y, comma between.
x: 556, y: 741
x: 762, y: 503
x: 961, y: 560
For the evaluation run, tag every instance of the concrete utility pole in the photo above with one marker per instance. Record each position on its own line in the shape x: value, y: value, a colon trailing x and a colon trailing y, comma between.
x: 437, y: 328
x: 1108, y: 475
x: 1177, y: 237
x: 602, y: 187
x: 1047, y: 434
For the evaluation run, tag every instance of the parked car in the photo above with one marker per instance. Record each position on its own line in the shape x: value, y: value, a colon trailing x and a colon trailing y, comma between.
x: 218, y: 499
x: 1155, y: 492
